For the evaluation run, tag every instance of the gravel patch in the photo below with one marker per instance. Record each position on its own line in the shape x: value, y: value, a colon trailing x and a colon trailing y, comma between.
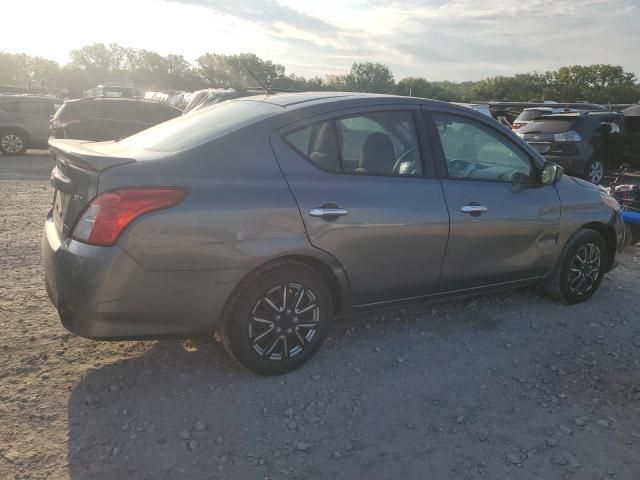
x: 509, y: 385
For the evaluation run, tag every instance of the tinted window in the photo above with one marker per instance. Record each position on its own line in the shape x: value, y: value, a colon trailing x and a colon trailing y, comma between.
x: 379, y: 143
x: 474, y: 151
x: 149, y: 112
x: 549, y: 125
x: 120, y: 110
x: 13, y: 107
x: 93, y: 108
x: 33, y: 107
x: 201, y: 126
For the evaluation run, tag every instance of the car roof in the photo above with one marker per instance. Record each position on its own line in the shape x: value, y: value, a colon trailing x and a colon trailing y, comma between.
x: 117, y: 99
x: 577, y: 114
x: 544, y: 109
x: 296, y: 100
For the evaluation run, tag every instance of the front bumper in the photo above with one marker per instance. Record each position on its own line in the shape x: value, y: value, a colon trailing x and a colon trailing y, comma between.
x: 103, y: 293
x: 622, y: 239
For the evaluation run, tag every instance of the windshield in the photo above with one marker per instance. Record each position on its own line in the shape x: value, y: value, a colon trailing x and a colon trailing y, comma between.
x: 201, y: 126
x: 555, y: 125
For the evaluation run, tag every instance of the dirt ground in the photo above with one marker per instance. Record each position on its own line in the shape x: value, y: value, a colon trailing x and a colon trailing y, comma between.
x: 507, y: 386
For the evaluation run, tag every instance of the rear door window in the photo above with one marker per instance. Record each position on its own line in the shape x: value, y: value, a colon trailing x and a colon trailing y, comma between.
x: 379, y: 143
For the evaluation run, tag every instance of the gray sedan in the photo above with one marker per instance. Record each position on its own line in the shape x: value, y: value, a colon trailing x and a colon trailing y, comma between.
x: 265, y: 217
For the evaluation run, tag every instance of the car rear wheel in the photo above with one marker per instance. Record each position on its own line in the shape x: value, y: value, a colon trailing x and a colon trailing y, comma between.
x: 595, y: 171
x: 279, y: 318
x: 580, y: 268
x: 12, y: 142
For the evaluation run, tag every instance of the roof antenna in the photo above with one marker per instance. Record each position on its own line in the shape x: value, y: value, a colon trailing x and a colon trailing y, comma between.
x: 264, y: 87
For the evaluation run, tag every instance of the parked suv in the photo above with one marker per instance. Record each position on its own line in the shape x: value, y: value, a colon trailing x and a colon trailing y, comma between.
x: 24, y: 122
x: 265, y: 217
x: 585, y: 144
x: 103, y: 118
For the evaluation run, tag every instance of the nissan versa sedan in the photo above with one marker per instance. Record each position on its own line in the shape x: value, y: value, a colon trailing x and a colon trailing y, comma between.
x: 262, y: 218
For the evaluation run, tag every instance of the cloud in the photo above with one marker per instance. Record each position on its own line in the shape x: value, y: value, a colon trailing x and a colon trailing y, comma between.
x: 267, y: 13
x: 438, y: 39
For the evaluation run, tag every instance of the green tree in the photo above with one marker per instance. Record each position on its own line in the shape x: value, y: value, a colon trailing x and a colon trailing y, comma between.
x: 101, y: 62
x: 232, y: 71
x: 420, y: 87
x: 521, y: 87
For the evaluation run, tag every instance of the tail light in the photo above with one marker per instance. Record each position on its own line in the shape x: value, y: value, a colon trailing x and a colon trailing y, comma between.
x: 106, y: 216
x: 516, y: 125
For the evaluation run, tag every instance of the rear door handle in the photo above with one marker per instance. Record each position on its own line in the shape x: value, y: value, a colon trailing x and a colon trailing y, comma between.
x: 473, y: 209
x: 328, y: 212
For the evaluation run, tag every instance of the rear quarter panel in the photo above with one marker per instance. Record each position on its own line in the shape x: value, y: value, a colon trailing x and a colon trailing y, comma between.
x: 239, y: 214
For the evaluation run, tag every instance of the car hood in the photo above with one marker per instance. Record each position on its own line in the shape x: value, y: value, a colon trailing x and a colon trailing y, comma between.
x: 589, y: 185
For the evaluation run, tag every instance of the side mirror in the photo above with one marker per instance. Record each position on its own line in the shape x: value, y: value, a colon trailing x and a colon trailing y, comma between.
x: 605, y: 128
x: 551, y: 173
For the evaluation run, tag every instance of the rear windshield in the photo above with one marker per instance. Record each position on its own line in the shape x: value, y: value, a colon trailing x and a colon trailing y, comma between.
x: 527, y: 115
x: 555, y: 125
x: 201, y: 126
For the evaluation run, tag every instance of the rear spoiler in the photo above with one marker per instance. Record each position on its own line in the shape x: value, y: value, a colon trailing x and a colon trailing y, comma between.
x: 81, y: 154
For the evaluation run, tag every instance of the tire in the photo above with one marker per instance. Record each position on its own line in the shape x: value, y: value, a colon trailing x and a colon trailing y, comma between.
x: 568, y: 282
x: 13, y: 142
x: 595, y: 171
x: 270, y: 337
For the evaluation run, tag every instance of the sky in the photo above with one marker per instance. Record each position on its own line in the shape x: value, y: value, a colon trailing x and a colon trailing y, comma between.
x: 436, y: 39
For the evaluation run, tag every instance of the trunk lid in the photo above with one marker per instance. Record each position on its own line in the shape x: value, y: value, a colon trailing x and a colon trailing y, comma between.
x: 76, y: 174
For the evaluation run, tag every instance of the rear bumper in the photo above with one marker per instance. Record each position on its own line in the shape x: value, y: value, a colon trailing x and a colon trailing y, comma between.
x: 102, y: 293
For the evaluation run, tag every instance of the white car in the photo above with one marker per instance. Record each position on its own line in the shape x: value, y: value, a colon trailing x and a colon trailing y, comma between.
x: 529, y: 114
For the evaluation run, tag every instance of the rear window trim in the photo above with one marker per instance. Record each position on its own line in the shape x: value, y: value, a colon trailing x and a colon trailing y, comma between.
x: 333, y: 118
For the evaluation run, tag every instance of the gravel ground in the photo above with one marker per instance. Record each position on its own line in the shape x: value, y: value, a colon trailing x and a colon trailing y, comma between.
x: 503, y: 386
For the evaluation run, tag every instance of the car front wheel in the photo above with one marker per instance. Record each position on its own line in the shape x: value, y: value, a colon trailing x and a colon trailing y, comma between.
x: 580, y: 268
x: 279, y: 318
x: 595, y: 171
x: 12, y: 142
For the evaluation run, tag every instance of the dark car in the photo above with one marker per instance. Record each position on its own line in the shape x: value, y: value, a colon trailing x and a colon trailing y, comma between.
x: 24, y: 122
x: 585, y: 144
x: 265, y: 217
x: 101, y: 118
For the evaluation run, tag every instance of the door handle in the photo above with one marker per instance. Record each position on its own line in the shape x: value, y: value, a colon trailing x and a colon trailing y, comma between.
x: 473, y: 209
x: 328, y: 212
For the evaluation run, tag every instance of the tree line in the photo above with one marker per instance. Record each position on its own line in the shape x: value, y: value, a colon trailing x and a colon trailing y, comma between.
x: 99, y: 63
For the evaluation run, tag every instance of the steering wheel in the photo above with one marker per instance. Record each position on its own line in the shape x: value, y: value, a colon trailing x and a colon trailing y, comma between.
x: 460, y: 168
x: 401, y: 159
